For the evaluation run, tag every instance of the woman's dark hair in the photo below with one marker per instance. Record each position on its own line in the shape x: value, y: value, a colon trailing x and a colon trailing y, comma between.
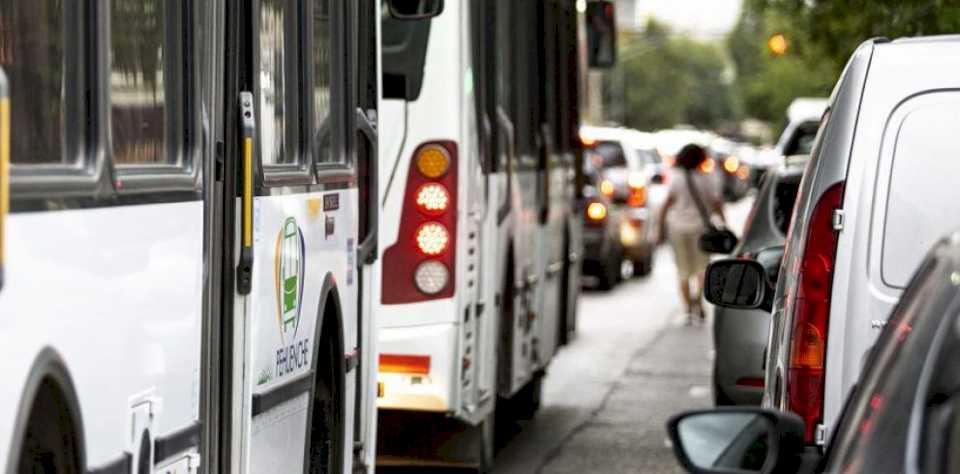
x: 691, y: 156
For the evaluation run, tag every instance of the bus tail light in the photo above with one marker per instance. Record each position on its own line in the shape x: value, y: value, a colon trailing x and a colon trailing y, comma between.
x: 431, y: 277
x: 811, y: 313
x: 432, y: 238
x: 433, y: 199
x: 421, y: 265
x: 404, y: 364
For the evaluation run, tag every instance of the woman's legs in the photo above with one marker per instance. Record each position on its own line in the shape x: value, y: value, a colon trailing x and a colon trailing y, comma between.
x: 697, y: 296
x: 686, y: 295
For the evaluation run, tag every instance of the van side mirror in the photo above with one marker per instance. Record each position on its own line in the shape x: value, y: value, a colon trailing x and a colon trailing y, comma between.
x: 414, y: 9
x: 740, y: 439
x: 601, y: 34
x: 736, y: 283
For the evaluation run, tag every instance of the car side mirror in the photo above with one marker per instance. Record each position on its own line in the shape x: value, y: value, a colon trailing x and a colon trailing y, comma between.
x: 741, y: 439
x: 414, y: 9
x: 736, y: 283
x: 601, y: 34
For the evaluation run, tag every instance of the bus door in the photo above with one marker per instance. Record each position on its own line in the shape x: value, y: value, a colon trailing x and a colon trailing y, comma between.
x: 550, y: 173
x: 297, y: 161
x: 486, y: 197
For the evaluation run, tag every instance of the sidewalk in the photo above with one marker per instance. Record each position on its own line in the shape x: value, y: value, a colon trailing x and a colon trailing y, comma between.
x: 626, y: 434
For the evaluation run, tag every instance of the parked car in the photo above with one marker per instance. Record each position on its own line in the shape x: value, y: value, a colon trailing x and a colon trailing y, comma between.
x: 740, y: 335
x: 866, y: 208
x: 623, y: 162
x: 902, y: 416
x: 803, y: 120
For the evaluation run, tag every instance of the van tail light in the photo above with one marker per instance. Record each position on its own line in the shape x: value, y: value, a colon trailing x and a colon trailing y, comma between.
x: 811, y: 313
x: 420, y: 266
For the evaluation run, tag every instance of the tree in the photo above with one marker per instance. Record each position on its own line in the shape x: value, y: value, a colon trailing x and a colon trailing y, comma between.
x: 664, y: 79
x: 822, y: 35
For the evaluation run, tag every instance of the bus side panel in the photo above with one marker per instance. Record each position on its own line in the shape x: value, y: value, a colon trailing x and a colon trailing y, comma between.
x: 116, y: 292
x: 298, y: 239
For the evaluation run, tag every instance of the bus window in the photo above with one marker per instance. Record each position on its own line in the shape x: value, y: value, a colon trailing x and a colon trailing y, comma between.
x: 32, y: 51
x: 276, y: 48
x: 321, y: 83
x: 139, y: 102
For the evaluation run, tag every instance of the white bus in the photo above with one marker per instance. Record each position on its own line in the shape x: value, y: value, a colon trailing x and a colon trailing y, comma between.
x: 479, y: 227
x: 186, y: 239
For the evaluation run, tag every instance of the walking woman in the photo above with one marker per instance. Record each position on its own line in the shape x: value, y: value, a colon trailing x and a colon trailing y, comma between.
x: 692, y: 195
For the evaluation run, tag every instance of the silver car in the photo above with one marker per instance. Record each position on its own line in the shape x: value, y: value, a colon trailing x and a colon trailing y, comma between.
x: 740, y: 335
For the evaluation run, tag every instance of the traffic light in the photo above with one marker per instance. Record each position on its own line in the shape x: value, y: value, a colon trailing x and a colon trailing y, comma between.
x: 777, y: 44
x: 601, y: 34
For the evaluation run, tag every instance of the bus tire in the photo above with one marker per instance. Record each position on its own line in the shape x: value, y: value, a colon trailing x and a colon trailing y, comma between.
x: 50, y: 444
x: 326, y: 447
x: 526, y: 402
x: 488, y: 445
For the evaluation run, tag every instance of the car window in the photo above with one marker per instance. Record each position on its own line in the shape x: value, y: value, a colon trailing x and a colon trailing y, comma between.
x: 648, y: 157
x: 921, y: 204
x: 612, y: 154
x: 871, y: 435
x: 784, y: 197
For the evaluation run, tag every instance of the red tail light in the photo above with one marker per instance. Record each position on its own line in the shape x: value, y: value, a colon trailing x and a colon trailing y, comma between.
x: 420, y: 265
x: 637, y: 197
x: 404, y: 364
x: 811, y: 313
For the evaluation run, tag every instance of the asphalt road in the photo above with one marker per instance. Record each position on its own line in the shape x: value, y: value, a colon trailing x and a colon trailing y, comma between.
x: 608, y: 394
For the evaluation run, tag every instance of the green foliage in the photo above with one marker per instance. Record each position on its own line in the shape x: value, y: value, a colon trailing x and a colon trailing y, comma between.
x: 838, y: 27
x: 667, y: 79
x: 821, y: 34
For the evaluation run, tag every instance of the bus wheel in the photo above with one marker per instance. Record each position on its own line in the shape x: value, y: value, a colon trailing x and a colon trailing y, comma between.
x: 525, y: 403
x: 50, y: 443
x: 326, y: 433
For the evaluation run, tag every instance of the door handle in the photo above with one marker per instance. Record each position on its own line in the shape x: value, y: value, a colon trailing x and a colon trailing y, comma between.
x: 367, y: 250
x: 248, y: 127
x: 505, y: 128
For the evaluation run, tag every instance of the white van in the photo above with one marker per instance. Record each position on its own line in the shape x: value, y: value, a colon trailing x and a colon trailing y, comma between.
x: 879, y: 190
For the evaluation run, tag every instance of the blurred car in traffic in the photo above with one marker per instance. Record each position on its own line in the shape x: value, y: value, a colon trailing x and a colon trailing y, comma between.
x: 866, y: 209
x: 902, y: 415
x: 734, y: 173
x: 623, y: 162
x: 603, y: 254
x: 802, y: 122
x: 740, y: 335
x: 730, y: 174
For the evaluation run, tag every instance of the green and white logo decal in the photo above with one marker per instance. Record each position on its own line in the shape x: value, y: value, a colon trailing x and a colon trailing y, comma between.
x: 288, y: 276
